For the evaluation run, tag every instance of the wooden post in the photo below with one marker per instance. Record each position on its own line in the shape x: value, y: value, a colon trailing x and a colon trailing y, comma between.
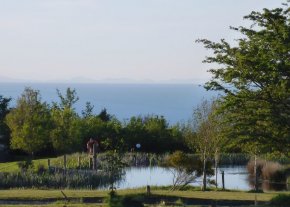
x: 256, y: 201
x: 64, y: 163
x: 216, y: 170
x: 223, y: 179
x: 48, y: 164
x: 94, y: 157
x: 90, y: 162
x: 79, y: 162
x: 148, y: 190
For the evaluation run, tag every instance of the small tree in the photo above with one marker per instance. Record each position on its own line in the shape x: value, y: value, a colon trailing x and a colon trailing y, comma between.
x: 203, y: 134
x: 185, y: 169
x: 29, y: 122
x: 113, y: 165
x: 66, y: 134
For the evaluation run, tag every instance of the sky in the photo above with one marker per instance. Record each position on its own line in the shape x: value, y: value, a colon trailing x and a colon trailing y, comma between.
x: 115, y: 40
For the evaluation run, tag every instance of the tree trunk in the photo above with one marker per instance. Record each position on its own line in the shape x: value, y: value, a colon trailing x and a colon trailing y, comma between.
x: 256, y: 174
x: 204, y: 172
x: 216, y: 168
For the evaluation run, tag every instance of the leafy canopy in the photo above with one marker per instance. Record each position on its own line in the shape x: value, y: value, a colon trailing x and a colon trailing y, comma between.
x: 29, y: 122
x: 254, y: 75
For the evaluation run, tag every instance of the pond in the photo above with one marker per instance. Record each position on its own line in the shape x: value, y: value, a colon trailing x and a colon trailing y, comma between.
x: 236, y: 178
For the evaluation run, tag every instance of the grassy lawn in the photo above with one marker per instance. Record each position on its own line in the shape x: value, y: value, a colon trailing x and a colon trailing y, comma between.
x: 8, y: 167
x: 13, y: 166
x: 59, y: 205
x: 56, y: 194
x: 31, y: 194
x: 219, y: 195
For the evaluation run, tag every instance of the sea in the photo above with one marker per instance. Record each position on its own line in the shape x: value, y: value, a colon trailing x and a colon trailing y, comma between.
x: 173, y: 101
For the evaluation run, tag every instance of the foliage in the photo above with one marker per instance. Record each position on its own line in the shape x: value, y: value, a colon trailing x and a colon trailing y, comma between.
x: 4, y: 129
x: 280, y: 200
x: 114, y: 166
x: 254, y: 77
x: 268, y: 170
x: 104, y: 116
x: 203, y: 134
x: 154, y: 134
x: 69, y: 132
x: 29, y: 122
x: 67, y: 100
x: 115, y: 200
x: 66, y: 134
x: 185, y: 169
x: 25, y: 165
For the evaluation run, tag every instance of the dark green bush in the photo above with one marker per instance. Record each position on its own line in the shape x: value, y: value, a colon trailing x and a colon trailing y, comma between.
x: 281, y: 200
x: 25, y: 165
x: 115, y: 200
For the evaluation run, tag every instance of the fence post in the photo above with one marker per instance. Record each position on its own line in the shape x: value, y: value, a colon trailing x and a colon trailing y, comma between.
x: 48, y: 164
x: 148, y: 190
x: 223, y: 179
x: 64, y: 162
x: 94, y: 157
x: 256, y: 200
x: 79, y: 162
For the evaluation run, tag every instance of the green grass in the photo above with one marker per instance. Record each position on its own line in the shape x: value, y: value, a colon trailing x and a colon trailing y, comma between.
x: 9, y: 167
x: 13, y: 166
x: 59, y: 205
x: 19, y: 194
x: 33, y: 194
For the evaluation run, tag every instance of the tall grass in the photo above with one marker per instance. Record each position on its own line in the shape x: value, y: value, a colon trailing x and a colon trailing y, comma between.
x: 268, y: 170
x: 71, y: 179
x: 131, y: 159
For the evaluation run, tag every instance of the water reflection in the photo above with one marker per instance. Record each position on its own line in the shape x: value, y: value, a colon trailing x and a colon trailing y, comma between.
x: 267, y: 185
x: 236, y: 177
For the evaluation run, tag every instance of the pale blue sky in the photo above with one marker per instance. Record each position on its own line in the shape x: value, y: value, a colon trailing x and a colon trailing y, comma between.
x: 54, y: 40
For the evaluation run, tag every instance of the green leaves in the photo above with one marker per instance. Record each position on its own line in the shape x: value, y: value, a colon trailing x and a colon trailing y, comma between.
x: 29, y: 122
x: 255, y: 78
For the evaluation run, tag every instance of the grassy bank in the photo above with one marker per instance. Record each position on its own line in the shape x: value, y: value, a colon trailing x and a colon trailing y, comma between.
x: 31, y: 194
x: 79, y: 198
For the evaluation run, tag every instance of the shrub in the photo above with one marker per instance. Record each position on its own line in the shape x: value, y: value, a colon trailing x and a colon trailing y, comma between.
x: 39, y: 168
x: 25, y: 165
x: 115, y: 200
x: 281, y: 200
x: 272, y: 171
x: 251, y: 166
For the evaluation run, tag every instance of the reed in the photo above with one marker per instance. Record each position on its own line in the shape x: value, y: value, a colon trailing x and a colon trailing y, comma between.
x: 268, y: 170
x: 71, y: 180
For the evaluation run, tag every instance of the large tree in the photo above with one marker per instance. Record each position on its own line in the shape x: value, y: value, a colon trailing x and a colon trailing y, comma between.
x: 254, y: 76
x: 4, y: 129
x: 29, y: 122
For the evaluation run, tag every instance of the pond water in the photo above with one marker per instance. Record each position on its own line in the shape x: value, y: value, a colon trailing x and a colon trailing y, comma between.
x: 236, y: 177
